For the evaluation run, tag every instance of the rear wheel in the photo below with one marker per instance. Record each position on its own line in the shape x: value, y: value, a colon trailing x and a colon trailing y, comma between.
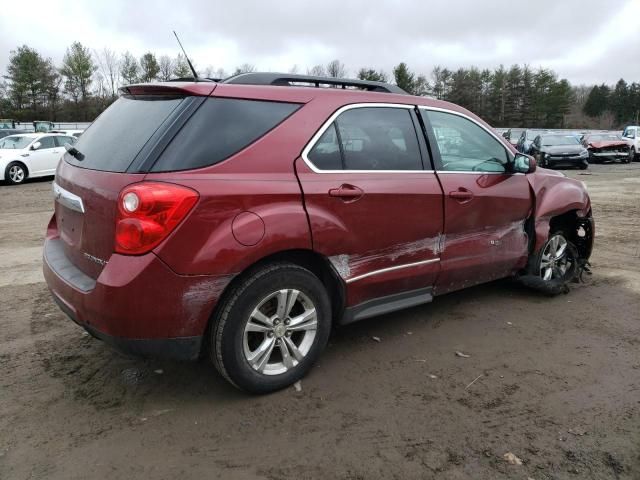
x: 15, y: 173
x: 271, y: 328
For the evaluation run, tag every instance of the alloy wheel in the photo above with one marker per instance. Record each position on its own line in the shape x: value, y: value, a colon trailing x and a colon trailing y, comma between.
x: 16, y: 174
x: 555, y: 261
x: 280, y: 332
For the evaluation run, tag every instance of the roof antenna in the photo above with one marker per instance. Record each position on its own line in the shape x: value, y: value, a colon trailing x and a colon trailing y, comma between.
x: 193, y: 70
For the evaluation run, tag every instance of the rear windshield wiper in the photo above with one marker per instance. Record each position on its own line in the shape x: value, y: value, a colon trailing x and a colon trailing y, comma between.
x: 74, y: 152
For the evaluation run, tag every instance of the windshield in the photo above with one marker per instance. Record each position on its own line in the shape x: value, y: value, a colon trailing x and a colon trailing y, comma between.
x: 604, y: 138
x: 551, y: 141
x: 14, y: 142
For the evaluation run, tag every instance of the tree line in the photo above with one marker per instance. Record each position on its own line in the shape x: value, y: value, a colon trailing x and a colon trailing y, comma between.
x: 87, y: 81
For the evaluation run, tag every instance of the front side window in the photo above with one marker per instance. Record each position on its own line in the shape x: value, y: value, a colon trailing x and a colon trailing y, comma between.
x: 465, y: 146
x: 369, y: 138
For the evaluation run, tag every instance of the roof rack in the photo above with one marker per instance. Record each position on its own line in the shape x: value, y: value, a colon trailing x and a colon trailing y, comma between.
x: 289, y: 80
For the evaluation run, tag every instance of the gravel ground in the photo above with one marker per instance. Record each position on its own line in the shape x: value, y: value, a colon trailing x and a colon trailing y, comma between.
x: 556, y: 382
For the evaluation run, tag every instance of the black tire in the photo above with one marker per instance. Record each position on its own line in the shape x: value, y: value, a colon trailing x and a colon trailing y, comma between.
x: 634, y: 155
x: 228, y: 340
x: 584, y: 165
x: 15, y: 173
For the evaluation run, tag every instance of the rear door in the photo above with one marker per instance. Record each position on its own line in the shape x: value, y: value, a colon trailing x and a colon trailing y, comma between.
x: 374, y: 209
x: 486, y: 205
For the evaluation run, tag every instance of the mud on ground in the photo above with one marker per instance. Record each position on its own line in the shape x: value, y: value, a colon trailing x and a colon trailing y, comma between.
x: 557, y: 381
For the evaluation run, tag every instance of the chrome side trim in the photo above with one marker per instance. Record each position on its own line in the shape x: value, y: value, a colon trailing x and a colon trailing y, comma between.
x: 390, y: 269
x: 66, y: 198
x: 327, y: 124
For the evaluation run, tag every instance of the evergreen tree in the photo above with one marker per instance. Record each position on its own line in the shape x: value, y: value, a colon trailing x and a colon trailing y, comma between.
x: 129, y: 69
x: 149, y: 68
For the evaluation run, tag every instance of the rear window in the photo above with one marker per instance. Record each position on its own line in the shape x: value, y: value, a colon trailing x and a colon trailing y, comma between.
x: 117, y: 136
x: 220, y: 128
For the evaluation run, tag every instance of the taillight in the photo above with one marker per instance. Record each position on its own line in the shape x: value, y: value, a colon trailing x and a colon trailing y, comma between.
x: 148, y: 212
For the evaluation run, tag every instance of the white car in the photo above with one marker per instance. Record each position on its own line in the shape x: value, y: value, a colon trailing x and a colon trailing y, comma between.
x: 632, y: 135
x: 74, y: 133
x: 31, y: 155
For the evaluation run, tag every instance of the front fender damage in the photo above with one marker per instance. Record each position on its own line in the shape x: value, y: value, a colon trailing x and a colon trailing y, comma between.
x: 562, y: 204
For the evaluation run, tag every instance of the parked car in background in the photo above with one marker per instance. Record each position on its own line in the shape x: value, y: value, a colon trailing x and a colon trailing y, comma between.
x: 526, y: 139
x: 607, y: 147
x: 632, y: 135
x: 243, y: 219
x: 512, y: 135
x: 31, y: 155
x: 73, y: 132
x: 555, y: 150
x: 5, y: 132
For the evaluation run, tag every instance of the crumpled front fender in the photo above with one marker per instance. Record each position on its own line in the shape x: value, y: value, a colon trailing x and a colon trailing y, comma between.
x: 556, y: 195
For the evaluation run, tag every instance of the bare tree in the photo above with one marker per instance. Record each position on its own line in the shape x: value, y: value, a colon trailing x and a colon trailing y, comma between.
x: 165, y: 64
x: 245, y: 68
x: 294, y: 70
x: 109, y: 70
x: 317, y: 71
x: 335, y: 69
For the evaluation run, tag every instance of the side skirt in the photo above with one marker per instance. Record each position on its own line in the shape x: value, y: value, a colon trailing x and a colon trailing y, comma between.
x: 382, y: 305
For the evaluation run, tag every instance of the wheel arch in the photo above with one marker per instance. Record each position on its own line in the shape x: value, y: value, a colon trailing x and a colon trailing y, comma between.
x: 19, y: 162
x: 318, y: 264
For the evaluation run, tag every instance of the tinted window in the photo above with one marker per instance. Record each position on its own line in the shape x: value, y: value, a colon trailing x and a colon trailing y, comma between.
x: 61, y: 141
x: 325, y: 154
x: 47, y: 142
x: 465, y: 146
x: 220, y: 128
x: 379, y: 138
x: 117, y: 136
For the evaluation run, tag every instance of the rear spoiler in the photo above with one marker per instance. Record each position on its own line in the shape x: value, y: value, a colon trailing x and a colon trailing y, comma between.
x: 203, y: 89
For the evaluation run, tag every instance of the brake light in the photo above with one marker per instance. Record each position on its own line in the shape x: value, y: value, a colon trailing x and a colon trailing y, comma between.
x: 148, y: 212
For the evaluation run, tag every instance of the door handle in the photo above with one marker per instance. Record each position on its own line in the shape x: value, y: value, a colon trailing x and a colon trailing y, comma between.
x: 346, y: 192
x: 462, y: 195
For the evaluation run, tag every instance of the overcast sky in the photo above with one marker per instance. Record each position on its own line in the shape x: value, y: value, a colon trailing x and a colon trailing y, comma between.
x: 586, y: 41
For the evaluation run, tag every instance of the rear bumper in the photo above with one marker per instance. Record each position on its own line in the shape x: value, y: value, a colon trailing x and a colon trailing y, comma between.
x: 137, y: 304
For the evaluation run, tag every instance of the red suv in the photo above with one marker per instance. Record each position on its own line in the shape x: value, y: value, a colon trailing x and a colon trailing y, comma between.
x: 242, y: 219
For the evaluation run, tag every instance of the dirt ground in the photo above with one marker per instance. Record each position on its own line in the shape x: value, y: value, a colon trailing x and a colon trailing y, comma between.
x: 557, y: 381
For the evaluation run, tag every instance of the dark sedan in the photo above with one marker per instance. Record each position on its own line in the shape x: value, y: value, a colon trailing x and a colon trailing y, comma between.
x: 555, y: 150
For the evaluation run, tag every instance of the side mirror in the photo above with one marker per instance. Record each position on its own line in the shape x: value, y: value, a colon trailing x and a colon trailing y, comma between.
x: 36, y: 146
x: 524, y: 163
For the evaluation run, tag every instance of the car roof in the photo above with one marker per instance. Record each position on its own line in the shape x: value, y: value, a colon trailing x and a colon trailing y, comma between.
x: 34, y: 135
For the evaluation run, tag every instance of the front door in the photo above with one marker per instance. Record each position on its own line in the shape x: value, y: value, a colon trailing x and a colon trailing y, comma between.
x: 44, y: 160
x: 374, y: 210
x: 486, y: 205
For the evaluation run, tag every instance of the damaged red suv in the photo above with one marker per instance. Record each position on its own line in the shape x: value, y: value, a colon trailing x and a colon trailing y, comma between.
x: 242, y: 219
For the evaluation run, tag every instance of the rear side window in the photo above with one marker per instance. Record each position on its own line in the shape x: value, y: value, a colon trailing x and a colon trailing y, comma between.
x: 46, y: 142
x: 372, y: 138
x: 220, y: 128
x: 62, y: 141
x: 117, y: 136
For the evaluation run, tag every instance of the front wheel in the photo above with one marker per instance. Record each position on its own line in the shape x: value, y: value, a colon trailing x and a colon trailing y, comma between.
x: 633, y: 156
x: 584, y: 165
x: 557, y: 261
x: 15, y: 173
x: 271, y: 328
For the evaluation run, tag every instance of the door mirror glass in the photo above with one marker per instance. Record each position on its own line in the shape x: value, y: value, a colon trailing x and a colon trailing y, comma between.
x: 36, y: 146
x: 524, y: 164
